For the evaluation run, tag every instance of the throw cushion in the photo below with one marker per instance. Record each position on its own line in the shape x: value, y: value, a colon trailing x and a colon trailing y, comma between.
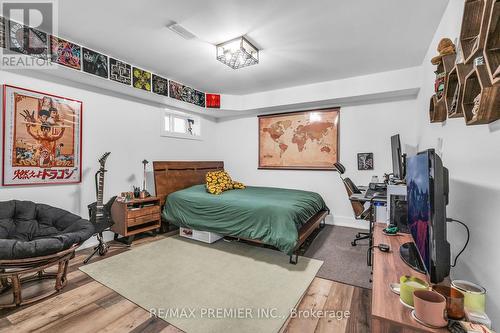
x: 220, y: 181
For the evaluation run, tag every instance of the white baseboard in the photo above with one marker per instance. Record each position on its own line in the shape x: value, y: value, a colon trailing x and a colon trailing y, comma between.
x: 347, y: 221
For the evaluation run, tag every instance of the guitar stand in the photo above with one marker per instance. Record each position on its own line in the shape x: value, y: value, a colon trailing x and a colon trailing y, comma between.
x: 102, y: 248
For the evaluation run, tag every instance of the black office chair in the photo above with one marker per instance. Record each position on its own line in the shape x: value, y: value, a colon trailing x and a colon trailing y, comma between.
x: 360, y: 213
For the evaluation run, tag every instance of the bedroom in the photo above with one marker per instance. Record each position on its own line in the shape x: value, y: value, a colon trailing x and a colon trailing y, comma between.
x: 146, y: 85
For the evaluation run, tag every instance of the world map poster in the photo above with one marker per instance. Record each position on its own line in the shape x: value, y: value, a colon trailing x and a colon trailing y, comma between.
x: 300, y: 140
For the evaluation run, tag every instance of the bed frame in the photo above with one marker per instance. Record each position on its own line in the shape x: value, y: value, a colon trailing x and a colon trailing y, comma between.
x: 171, y: 176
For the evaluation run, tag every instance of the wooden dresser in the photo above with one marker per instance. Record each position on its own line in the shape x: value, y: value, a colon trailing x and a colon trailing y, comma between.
x: 388, y: 314
x: 135, y: 216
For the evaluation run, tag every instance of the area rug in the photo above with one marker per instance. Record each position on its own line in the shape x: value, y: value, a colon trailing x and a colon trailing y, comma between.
x: 220, y: 287
x: 342, y: 262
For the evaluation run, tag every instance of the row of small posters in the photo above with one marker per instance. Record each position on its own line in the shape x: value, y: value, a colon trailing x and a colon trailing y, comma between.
x: 77, y: 57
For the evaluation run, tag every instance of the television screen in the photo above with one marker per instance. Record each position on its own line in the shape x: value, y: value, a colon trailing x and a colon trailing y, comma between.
x: 419, y: 205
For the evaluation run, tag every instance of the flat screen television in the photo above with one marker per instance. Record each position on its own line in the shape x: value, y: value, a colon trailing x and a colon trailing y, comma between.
x: 397, y: 157
x: 427, y: 195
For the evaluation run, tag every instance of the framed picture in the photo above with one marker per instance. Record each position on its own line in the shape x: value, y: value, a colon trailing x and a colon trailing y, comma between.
x: 305, y: 140
x: 2, y: 32
x: 42, y: 138
x: 160, y: 85
x: 27, y: 40
x: 120, y: 71
x: 65, y: 53
x: 95, y: 63
x: 186, y: 94
x: 212, y: 101
x: 365, y: 161
x: 141, y: 79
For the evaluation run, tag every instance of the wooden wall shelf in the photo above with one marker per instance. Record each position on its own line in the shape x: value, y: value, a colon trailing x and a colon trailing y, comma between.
x: 438, y: 107
x: 437, y: 110
x: 456, y: 80
x: 478, y: 82
x: 491, y: 51
x: 474, y: 27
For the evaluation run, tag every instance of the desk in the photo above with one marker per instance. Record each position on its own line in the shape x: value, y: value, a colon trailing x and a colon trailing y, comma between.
x: 388, y: 314
x: 377, y: 198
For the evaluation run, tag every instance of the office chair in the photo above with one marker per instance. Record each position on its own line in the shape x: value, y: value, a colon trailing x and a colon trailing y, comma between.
x: 360, y: 213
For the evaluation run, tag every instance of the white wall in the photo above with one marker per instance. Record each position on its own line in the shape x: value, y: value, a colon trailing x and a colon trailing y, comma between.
x: 131, y: 131
x: 472, y: 155
x: 363, y: 128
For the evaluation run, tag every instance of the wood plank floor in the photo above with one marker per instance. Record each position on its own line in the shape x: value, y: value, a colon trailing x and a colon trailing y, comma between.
x: 87, y: 306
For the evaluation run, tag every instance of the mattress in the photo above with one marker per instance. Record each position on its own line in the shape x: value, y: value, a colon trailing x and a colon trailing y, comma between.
x: 270, y: 215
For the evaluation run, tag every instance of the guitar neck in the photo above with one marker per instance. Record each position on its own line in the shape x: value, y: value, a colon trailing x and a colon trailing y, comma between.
x: 100, y: 190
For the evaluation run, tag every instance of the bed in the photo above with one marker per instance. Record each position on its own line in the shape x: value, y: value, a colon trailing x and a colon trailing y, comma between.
x: 281, y: 218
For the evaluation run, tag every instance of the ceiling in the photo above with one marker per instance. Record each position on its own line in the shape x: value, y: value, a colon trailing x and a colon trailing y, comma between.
x: 301, y: 42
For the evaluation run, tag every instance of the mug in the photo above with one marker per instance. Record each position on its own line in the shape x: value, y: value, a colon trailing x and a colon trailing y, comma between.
x: 408, y: 284
x: 475, y: 295
x: 454, y: 301
x: 430, y: 308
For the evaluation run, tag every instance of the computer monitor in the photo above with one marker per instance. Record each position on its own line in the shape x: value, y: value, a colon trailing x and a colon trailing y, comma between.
x: 427, y: 188
x: 397, y: 158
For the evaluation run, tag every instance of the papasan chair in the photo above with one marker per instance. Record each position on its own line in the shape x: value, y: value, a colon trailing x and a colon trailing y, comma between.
x: 33, y: 238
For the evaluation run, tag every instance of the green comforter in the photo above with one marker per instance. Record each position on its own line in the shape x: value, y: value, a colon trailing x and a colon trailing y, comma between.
x: 271, y: 215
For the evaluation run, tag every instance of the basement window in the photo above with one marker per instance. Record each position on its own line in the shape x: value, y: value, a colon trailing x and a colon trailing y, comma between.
x: 181, y: 125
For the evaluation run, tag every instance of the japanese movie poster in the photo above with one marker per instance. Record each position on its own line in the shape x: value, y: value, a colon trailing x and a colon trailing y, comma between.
x: 41, y: 138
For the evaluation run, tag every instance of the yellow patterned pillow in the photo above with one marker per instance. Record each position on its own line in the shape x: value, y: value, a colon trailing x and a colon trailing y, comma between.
x: 220, y: 181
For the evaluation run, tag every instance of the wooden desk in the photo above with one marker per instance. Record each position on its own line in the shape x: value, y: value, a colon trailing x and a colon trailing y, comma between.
x: 388, y: 314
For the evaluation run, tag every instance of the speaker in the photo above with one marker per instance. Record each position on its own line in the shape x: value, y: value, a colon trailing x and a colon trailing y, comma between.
x: 399, y: 213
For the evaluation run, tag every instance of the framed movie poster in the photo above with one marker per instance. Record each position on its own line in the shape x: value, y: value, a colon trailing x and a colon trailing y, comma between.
x: 305, y: 140
x: 42, y: 138
x: 365, y: 161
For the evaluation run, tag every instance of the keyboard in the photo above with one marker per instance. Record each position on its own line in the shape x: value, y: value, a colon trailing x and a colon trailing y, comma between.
x: 371, y: 193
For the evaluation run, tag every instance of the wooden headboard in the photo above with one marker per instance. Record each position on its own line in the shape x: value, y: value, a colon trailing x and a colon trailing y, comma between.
x: 171, y: 176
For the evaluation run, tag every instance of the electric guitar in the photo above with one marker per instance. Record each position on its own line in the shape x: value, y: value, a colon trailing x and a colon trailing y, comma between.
x: 100, y: 213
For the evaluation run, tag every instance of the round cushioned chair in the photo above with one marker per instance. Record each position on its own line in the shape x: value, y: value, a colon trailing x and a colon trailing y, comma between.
x: 34, y: 237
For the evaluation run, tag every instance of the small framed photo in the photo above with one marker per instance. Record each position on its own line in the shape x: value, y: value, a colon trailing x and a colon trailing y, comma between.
x: 365, y: 161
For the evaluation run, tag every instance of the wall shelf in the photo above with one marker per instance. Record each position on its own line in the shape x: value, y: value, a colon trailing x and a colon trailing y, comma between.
x: 437, y: 110
x: 474, y: 27
x: 478, y: 83
x: 491, y: 50
x: 455, y: 85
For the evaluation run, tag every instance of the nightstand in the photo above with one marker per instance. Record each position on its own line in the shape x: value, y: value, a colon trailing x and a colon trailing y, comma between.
x: 135, y: 216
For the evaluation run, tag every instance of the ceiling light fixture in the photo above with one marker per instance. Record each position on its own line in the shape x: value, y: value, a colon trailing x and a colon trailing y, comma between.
x: 237, y: 53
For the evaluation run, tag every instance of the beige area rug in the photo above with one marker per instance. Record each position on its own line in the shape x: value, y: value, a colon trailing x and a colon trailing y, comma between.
x: 220, y: 287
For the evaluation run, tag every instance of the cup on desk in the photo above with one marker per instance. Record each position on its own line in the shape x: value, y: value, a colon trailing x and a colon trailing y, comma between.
x: 430, y: 308
x: 408, y: 285
x: 454, y: 301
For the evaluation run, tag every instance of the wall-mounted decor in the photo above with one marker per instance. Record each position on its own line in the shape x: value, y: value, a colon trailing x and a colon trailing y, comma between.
x: 26, y: 40
x: 69, y: 54
x: 306, y: 140
x: 186, y: 94
x: 212, y: 101
x: 2, y: 32
x: 65, y: 53
x: 120, y: 71
x: 42, y: 138
x: 365, y: 161
x: 160, y: 85
x: 95, y: 63
x: 141, y: 79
